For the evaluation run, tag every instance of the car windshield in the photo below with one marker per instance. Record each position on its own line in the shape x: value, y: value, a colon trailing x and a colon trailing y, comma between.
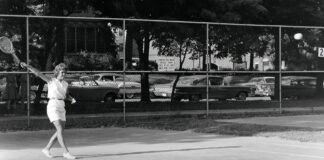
x: 270, y: 80
x: 186, y: 80
x: 96, y: 77
x: 256, y: 80
x: 86, y: 78
x: 121, y: 78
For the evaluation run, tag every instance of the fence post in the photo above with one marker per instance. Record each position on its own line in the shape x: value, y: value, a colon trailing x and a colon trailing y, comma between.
x: 124, y: 69
x: 28, y: 82
x: 280, y: 89
x: 208, y: 69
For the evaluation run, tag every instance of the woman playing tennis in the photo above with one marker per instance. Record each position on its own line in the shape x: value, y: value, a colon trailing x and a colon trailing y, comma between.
x: 57, y: 93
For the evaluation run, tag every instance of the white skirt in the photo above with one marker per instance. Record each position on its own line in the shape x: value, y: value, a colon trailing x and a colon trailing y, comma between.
x: 56, y: 110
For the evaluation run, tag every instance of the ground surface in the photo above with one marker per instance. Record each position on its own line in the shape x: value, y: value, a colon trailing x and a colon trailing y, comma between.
x: 142, y: 144
x: 139, y: 143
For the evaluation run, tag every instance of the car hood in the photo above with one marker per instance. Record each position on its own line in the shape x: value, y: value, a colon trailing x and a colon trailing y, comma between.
x: 120, y: 84
x: 246, y: 84
x: 163, y: 85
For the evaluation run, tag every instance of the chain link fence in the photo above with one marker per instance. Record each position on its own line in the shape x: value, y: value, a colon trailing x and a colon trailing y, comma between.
x: 125, y: 67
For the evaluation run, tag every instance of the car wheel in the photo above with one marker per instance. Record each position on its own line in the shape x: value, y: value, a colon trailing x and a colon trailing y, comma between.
x: 32, y: 95
x: 176, y: 99
x: 194, y: 98
x: 222, y: 99
x: 110, y: 97
x: 130, y: 95
x: 241, y: 96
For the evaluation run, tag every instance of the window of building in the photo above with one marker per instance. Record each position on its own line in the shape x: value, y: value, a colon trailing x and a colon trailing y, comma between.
x: 88, y: 39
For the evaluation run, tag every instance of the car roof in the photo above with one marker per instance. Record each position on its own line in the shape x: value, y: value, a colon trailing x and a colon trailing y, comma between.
x: 197, y: 77
x: 298, y: 77
x: 107, y: 74
x: 263, y: 77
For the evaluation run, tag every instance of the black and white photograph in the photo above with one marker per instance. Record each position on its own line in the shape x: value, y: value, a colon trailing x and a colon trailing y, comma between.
x: 162, y: 79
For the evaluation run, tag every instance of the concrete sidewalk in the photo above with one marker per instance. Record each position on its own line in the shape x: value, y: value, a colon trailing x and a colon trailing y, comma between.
x: 145, y: 144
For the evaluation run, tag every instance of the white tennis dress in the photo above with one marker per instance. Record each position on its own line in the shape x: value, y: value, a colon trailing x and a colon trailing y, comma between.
x: 56, y: 94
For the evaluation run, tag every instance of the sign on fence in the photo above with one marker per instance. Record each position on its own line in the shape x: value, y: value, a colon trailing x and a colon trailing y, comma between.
x: 320, y: 52
x: 166, y: 63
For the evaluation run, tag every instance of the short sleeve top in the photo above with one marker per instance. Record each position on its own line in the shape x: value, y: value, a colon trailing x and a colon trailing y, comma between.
x: 57, y: 89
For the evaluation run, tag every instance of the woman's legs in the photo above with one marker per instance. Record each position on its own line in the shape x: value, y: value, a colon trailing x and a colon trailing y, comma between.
x: 51, y: 141
x: 58, y: 135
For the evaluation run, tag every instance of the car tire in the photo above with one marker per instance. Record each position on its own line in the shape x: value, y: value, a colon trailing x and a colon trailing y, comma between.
x: 176, y: 99
x: 130, y: 95
x: 194, y: 98
x: 241, y: 96
x: 222, y: 99
x: 110, y: 97
x: 32, y: 95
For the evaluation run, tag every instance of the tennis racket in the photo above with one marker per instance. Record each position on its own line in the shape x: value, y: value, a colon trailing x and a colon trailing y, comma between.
x: 6, y: 46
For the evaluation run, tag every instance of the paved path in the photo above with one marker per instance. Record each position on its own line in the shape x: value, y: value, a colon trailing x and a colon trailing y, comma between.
x: 144, y: 144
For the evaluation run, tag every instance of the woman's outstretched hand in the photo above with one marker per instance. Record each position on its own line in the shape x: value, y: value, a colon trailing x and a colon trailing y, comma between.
x: 73, y: 101
x: 23, y: 64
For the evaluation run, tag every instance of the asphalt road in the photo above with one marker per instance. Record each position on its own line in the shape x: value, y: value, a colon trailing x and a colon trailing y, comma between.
x: 144, y: 144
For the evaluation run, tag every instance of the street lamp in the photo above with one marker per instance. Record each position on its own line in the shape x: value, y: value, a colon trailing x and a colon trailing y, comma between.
x: 298, y: 36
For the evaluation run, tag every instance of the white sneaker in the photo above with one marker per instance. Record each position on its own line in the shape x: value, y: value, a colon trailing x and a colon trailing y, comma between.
x: 67, y: 155
x: 47, y: 153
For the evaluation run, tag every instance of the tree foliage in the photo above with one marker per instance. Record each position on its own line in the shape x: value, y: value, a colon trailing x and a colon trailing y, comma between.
x: 178, y: 39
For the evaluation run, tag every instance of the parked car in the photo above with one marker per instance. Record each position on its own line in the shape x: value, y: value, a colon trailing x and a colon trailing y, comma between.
x: 85, y: 89
x: 161, y: 90
x: 298, y: 86
x: 91, y: 90
x: 194, y: 88
x: 161, y: 85
x: 114, y: 80
x: 264, y: 85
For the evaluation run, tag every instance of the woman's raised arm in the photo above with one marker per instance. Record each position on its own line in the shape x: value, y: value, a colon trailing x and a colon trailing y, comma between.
x: 36, y: 72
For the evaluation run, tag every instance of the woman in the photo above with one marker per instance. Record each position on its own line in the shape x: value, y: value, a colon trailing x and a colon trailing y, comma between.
x: 57, y: 93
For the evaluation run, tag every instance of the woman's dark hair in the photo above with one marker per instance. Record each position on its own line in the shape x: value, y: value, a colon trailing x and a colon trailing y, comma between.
x: 58, y: 68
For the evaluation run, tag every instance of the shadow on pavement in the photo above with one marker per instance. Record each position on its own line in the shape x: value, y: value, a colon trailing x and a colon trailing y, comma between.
x: 156, y: 151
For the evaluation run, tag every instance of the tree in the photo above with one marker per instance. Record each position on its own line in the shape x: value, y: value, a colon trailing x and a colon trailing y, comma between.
x: 302, y: 13
x: 229, y: 41
x: 179, y: 40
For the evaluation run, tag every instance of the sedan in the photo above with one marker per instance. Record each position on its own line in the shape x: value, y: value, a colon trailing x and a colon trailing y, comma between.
x: 130, y: 88
x: 194, y: 88
x: 90, y: 90
x: 264, y: 85
x: 298, y: 86
x: 85, y: 90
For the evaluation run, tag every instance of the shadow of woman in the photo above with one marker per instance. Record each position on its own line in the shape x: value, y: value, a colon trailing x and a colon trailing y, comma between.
x: 152, y: 151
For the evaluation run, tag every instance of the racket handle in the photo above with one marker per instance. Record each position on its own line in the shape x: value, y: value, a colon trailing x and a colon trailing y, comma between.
x: 15, y: 58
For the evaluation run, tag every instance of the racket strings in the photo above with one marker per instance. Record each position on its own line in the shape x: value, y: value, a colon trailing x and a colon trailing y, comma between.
x: 6, y: 45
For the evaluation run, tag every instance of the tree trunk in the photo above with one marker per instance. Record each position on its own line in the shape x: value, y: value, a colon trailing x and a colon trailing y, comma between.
x: 251, y: 68
x: 204, y: 62
x: 129, y: 47
x: 145, y: 59
x: 180, y: 68
x: 143, y: 52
